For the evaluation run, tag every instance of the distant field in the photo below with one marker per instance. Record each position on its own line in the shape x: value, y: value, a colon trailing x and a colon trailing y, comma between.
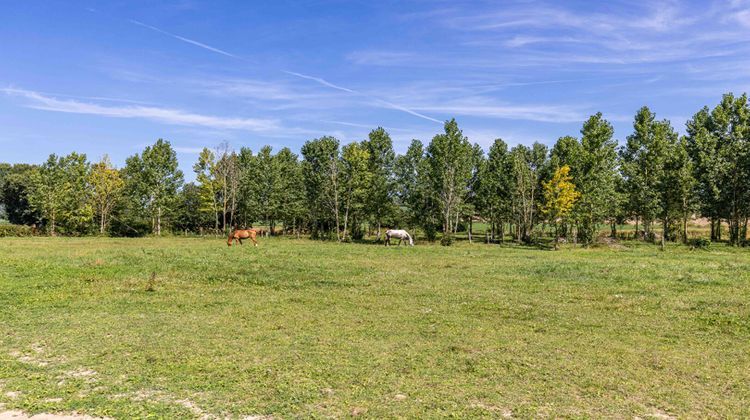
x: 297, y: 328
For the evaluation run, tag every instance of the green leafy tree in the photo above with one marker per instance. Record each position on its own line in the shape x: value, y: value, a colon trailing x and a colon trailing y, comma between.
x: 15, y: 188
x: 321, y: 172
x: 5, y: 169
x: 526, y: 175
x: 152, y: 181
x: 381, y: 158
x: 594, y: 170
x: 719, y: 145
x: 265, y: 178
x: 290, y: 190
x: 355, y: 184
x: 473, y: 200
x: 208, y: 185
x: 246, y: 207
x: 494, y: 189
x: 449, y: 156
x: 685, y: 184
x: 190, y: 214
x: 676, y: 184
x: 731, y: 127
x: 642, y: 162
x: 61, y: 195
x: 414, y: 190
x: 703, y: 148
x: 272, y: 182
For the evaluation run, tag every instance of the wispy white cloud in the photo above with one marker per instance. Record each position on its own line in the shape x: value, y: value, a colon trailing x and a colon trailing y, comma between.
x: 39, y: 101
x: 524, y: 40
x: 540, y: 33
x: 382, y: 58
x: 743, y: 17
x: 248, y: 89
x: 188, y: 150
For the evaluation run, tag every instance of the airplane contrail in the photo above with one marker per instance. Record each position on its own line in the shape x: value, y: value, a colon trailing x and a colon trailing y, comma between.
x: 188, y: 40
x: 318, y: 80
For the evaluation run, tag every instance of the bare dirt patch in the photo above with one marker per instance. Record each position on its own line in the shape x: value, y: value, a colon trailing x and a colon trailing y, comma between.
x: 81, y: 373
x: 20, y: 415
x: 27, y: 359
x: 503, y: 412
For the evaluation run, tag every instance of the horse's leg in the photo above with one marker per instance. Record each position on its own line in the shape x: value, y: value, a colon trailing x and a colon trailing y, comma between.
x: 252, y: 236
x: 240, y: 239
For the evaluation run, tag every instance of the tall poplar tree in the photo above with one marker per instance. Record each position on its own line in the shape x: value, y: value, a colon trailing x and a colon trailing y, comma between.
x: 321, y: 173
x: 449, y: 156
x: 380, y: 162
x: 152, y: 180
x: 594, y: 170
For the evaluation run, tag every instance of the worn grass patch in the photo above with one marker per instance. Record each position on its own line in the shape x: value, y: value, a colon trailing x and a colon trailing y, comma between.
x: 301, y: 328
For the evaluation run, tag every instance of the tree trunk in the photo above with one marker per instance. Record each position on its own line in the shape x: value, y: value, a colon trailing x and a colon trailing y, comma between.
x: 216, y: 214
x: 338, y: 221
x: 714, y: 231
x: 101, y: 224
x: 471, y: 226
x: 52, y: 224
x: 718, y: 229
x: 684, y: 229
x: 158, y: 221
x: 664, y: 228
x: 636, y: 228
x: 346, y: 219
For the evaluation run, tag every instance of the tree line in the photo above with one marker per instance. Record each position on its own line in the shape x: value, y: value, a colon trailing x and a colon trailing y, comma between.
x: 657, y: 179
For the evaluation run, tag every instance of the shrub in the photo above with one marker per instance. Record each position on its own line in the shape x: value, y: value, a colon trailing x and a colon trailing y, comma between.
x: 130, y: 228
x: 446, y: 240
x: 430, y: 232
x: 700, y: 243
x: 15, y: 230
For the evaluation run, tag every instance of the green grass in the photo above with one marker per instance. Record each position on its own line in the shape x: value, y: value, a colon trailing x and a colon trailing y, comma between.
x: 296, y: 328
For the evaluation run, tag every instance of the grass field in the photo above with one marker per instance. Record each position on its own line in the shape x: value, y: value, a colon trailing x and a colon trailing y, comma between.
x: 296, y: 328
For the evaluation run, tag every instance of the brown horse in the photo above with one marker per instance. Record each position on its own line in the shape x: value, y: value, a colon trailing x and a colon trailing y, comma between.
x: 240, y: 234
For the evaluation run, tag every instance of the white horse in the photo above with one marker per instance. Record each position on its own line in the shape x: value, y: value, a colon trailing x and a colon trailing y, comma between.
x: 397, y: 233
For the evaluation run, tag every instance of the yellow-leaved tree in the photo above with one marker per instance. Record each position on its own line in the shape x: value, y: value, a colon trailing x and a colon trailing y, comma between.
x: 106, y: 185
x: 560, y: 195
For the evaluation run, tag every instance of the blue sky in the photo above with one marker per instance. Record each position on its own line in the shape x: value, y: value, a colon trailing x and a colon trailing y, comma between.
x: 111, y: 77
